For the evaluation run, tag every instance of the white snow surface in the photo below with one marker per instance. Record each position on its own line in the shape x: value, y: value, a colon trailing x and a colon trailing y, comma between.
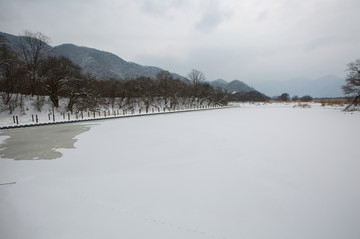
x: 254, y: 172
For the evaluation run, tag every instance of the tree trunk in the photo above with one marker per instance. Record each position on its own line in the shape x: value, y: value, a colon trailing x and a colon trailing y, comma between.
x: 354, y: 102
x: 55, y: 100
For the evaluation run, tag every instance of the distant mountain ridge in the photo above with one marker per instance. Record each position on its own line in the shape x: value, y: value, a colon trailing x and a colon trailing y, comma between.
x: 98, y: 63
x: 326, y: 86
x: 233, y: 86
x: 103, y: 64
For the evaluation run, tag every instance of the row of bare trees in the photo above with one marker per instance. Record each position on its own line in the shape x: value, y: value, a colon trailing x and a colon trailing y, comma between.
x: 29, y: 69
x: 162, y: 92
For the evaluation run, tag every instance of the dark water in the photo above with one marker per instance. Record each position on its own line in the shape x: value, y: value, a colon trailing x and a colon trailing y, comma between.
x: 40, y: 142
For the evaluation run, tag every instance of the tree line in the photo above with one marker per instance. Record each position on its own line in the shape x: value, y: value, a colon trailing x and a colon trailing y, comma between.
x: 30, y: 69
x: 352, y: 84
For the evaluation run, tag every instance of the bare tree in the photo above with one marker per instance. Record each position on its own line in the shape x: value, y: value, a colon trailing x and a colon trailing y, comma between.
x: 283, y: 97
x: 196, y: 78
x: 219, y: 97
x: 82, y: 93
x: 10, y: 75
x: 163, y: 85
x: 33, y: 48
x: 306, y: 98
x: 113, y: 89
x: 7, y: 73
x: 352, y: 86
x: 56, y: 73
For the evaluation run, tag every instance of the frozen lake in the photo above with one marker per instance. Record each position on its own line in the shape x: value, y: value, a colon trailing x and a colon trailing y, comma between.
x: 252, y: 172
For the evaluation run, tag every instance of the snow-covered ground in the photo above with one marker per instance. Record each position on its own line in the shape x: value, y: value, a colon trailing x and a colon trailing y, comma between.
x: 266, y: 171
x: 35, y: 110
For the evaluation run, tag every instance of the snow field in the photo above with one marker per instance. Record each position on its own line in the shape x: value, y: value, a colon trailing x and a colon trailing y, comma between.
x: 267, y: 171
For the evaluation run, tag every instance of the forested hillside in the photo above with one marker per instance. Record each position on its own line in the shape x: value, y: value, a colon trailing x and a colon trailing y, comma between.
x: 28, y: 68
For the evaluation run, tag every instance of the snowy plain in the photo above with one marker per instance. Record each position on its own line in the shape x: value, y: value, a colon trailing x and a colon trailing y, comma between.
x: 257, y: 171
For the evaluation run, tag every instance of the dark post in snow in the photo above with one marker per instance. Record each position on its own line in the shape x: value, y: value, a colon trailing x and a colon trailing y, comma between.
x: 53, y: 112
x: 68, y: 116
x: 32, y: 118
x: 17, y: 120
x: 37, y: 119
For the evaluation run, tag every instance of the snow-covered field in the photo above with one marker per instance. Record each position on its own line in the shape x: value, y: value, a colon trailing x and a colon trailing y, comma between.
x: 267, y: 171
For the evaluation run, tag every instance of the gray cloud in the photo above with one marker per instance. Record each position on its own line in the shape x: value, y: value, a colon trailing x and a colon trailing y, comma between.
x: 210, y: 21
x: 212, y: 15
x: 225, y: 39
x: 262, y: 16
x: 161, y: 7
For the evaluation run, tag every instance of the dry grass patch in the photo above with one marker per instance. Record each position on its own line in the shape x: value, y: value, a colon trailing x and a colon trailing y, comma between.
x: 333, y: 102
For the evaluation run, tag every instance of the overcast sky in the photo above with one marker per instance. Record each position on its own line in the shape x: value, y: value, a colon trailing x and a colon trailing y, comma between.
x: 249, y: 40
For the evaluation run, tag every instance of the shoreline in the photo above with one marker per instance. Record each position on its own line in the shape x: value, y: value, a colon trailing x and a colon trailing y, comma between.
x: 25, y: 125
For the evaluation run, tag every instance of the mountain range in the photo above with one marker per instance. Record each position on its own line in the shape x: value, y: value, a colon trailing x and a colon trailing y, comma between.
x: 326, y: 86
x: 233, y: 86
x: 103, y: 64
x: 98, y: 63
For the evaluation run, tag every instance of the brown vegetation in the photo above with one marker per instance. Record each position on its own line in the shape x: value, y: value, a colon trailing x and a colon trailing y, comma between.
x: 333, y: 102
